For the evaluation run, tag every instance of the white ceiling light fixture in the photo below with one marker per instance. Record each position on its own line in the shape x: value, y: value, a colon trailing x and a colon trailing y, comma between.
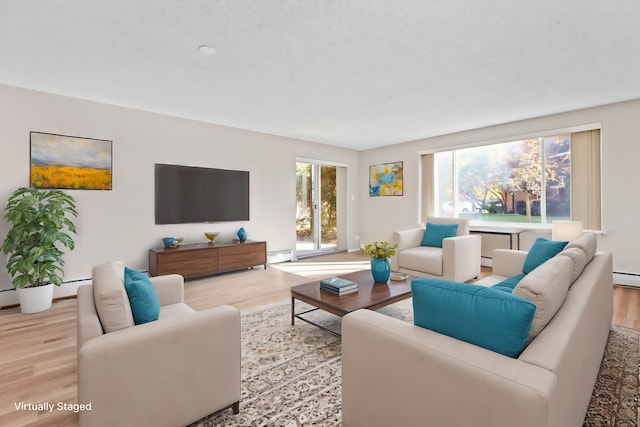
x: 207, y: 50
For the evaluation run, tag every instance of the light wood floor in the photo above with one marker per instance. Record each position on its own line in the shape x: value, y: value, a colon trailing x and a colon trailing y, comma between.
x: 38, y: 351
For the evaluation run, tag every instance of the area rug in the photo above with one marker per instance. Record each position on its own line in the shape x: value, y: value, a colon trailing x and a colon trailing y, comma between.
x: 291, y: 374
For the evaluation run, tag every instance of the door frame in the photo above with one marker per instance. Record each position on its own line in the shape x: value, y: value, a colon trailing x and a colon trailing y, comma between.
x: 340, y: 206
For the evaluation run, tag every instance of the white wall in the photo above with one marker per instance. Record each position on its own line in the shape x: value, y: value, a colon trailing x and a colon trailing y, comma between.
x: 620, y: 175
x: 119, y: 224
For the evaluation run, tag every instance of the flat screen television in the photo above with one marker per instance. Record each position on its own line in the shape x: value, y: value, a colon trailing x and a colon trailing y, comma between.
x: 196, y: 194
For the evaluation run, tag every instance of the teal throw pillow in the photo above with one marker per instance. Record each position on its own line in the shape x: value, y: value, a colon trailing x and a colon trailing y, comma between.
x: 486, y: 317
x: 143, y: 298
x: 435, y: 233
x: 509, y: 284
x: 541, y: 251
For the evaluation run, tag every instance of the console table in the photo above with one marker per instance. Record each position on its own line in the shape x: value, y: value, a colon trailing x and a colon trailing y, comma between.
x: 504, y: 231
x: 203, y: 259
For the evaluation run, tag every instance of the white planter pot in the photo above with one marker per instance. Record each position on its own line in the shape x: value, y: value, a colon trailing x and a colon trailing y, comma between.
x: 34, y: 300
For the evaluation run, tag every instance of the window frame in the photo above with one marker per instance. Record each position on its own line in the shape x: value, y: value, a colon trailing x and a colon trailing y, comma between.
x: 428, y: 191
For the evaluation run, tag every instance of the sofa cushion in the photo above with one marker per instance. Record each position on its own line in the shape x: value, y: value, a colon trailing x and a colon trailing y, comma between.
x: 435, y: 233
x: 587, y: 242
x: 422, y: 258
x: 143, y: 299
x: 110, y: 297
x: 541, y: 250
x: 486, y: 317
x: 578, y: 260
x: 507, y: 285
x: 546, y: 287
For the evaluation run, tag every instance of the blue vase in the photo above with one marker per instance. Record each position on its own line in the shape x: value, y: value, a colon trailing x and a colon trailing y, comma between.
x: 381, y: 269
x: 242, y: 234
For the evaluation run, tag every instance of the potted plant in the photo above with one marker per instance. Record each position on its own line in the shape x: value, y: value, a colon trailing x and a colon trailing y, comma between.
x: 380, y: 252
x: 40, y: 224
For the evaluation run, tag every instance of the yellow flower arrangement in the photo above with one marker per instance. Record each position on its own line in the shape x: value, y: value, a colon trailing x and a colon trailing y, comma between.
x: 380, y: 250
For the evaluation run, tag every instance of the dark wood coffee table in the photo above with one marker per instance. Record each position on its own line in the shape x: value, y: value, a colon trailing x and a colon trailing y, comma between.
x: 370, y: 295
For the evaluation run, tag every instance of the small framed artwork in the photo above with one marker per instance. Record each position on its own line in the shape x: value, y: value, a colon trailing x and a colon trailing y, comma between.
x: 70, y: 162
x: 385, y: 179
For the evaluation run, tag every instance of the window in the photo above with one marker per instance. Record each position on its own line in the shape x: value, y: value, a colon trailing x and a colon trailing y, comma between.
x: 535, y: 180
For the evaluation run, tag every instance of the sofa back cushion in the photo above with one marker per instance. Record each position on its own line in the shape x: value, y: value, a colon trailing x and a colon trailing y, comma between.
x: 547, y: 288
x: 588, y: 243
x: 110, y: 297
x: 541, y: 250
x: 486, y: 317
x: 578, y: 260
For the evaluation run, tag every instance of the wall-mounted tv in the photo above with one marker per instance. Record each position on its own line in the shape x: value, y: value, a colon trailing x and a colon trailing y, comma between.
x: 196, y: 194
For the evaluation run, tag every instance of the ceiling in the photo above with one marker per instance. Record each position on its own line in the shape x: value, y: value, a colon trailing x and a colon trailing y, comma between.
x: 351, y: 73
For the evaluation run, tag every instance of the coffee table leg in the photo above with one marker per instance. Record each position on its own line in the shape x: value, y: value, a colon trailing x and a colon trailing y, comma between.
x: 293, y: 306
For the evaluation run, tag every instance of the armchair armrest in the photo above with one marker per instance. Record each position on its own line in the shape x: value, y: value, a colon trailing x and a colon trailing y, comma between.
x: 89, y: 325
x: 434, y: 380
x: 162, y: 373
x: 170, y: 288
x: 508, y: 262
x: 461, y: 257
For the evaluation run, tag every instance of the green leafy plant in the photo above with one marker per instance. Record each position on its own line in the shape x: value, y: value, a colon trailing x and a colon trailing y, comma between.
x: 380, y: 249
x: 39, y: 225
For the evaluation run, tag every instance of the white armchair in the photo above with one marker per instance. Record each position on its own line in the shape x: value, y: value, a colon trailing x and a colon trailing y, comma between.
x: 168, y: 372
x: 458, y: 259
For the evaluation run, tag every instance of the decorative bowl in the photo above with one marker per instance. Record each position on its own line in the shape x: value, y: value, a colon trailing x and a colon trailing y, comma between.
x: 211, y: 235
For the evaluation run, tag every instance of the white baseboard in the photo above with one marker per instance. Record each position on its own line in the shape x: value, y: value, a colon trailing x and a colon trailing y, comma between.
x: 279, y: 256
x: 626, y: 279
x: 68, y: 289
x: 8, y: 298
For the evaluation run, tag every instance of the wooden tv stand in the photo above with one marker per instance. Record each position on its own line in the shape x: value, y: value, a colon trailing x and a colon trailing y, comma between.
x: 203, y: 259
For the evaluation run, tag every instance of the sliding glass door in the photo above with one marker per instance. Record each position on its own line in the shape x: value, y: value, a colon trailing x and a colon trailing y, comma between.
x: 316, y: 208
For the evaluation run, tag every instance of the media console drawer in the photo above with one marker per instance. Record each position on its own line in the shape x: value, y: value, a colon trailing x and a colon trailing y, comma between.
x: 203, y: 259
x: 242, y: 255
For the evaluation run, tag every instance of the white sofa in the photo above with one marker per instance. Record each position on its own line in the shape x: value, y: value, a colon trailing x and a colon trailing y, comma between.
x: 396, y: 373
x: 168, y: 372
x: 457, y: 260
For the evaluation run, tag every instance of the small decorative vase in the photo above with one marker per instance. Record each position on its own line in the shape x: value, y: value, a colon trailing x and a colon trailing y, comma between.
x: 381, y: 269
x: 242, y: 234
x: 167, y: 241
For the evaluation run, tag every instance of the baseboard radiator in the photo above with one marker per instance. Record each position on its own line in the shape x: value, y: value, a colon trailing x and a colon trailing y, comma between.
x: 279, y: 256
x: 627, y: 279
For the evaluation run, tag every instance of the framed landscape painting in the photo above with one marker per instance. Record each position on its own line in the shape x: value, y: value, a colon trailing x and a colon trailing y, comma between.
x: 385, y: 179
x: 70, y: 162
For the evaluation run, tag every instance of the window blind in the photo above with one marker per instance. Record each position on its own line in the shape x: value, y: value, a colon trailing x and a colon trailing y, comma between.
x: 586, y: 179
x: 428, y: 187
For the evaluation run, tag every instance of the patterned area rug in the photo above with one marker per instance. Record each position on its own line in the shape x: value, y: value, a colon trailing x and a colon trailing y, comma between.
x: 615, y: 398
x: 291, y: 374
